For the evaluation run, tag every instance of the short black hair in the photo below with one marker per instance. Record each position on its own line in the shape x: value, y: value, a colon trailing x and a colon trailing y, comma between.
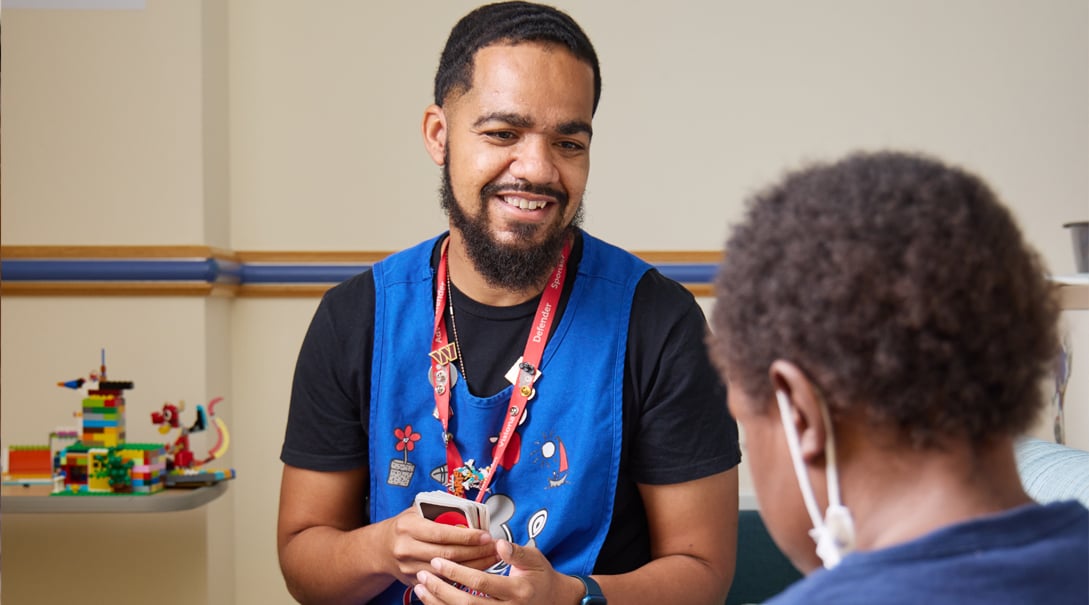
x: 509, y: 23
x: 901, y: 286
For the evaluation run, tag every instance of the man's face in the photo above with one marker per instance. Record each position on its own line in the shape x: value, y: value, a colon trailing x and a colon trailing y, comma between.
x: 517, y: 157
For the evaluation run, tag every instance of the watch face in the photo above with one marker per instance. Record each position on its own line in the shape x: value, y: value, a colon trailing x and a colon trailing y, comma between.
x: 593, y: 599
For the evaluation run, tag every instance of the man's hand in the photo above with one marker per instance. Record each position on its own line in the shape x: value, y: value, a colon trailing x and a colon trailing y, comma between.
x: 414, y: 542
x: 532, y: 581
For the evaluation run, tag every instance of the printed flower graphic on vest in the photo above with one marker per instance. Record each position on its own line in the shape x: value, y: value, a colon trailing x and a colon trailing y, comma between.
x: 400, y: 471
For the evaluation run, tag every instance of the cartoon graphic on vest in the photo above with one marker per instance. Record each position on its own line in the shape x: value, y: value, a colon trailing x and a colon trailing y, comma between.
x: 550, y: 452
x: 400, y: 471
x: 536, y: 525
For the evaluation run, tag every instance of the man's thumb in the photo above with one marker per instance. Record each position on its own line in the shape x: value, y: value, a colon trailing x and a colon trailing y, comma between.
x: 519, y: 557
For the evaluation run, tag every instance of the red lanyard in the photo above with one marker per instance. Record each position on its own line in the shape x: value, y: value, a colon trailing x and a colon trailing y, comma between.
x: 445, y: 352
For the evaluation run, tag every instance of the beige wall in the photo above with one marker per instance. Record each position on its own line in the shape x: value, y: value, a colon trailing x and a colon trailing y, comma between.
x: 291, y: 125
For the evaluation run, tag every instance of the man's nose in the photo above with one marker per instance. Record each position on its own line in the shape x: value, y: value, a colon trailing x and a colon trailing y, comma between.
x: 534, y: 162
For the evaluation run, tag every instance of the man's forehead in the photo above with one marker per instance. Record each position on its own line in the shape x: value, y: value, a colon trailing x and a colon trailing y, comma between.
x: 512, y: 78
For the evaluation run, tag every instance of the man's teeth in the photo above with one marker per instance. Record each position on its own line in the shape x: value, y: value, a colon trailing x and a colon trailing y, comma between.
x: 525, y: 204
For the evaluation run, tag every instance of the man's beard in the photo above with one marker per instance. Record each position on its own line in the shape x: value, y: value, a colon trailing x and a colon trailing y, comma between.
x: 508, y: 266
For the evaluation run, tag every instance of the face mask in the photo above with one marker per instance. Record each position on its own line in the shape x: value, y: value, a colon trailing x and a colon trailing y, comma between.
x: 835, y: 533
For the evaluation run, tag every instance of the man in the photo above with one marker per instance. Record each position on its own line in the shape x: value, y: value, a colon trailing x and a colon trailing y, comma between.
x: 884, y: 332
x: 515, y: 361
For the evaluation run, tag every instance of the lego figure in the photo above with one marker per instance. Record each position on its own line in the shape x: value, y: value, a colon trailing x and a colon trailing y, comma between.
x: 169, y: 418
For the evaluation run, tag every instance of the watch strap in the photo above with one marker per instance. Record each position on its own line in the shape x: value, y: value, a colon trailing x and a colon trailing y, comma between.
x: 593, y: 596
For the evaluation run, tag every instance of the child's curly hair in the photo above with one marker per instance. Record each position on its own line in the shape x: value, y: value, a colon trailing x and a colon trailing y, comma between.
x: 897, y: 283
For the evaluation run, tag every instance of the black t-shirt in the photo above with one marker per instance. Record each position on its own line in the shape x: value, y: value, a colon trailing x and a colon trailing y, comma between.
x: 676, y: 427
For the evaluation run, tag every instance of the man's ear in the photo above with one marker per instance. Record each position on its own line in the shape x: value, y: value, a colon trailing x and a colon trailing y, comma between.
x: 804, y: 405
x: 435, y: 133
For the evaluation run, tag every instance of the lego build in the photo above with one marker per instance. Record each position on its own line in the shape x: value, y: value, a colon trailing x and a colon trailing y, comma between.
x: 96, y: 459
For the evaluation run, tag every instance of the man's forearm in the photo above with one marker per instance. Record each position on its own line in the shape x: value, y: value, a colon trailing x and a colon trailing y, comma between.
x: 324, y: 565
x: 670, y: 579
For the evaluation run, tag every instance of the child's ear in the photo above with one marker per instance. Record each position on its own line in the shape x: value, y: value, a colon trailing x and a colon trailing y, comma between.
x: 804, y: 406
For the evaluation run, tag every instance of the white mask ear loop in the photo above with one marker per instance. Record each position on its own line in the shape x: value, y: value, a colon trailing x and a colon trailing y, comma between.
x: 834, y: 534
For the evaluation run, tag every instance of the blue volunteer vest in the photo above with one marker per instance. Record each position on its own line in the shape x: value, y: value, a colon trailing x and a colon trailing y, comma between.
x: 558, y: 495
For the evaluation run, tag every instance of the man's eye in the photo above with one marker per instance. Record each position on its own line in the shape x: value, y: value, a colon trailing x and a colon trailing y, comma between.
x: 572, y: 145
x: 503, y: 135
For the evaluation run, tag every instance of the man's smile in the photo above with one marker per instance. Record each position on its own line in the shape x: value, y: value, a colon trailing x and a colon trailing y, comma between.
x: 524, y: 203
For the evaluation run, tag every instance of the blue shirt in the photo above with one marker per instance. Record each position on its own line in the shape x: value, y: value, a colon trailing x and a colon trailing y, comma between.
x: 1034, y: 554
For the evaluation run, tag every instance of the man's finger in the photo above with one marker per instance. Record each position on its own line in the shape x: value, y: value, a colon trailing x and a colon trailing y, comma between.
x: 521, y: 557
x: 437, y: 533
x: 462, y: 578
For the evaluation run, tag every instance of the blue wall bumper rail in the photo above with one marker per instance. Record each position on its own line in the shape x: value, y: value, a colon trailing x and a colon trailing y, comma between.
x: 290, y: 273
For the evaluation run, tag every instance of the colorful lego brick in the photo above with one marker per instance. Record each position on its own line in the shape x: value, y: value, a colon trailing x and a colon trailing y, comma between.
x: 30, y: 462
x: 98, y: 478
x: 149, y: 470
x: 198, y: 477
x: 98, y: 436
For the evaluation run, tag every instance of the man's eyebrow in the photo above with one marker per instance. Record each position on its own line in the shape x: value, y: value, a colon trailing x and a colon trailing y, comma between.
x: 576, y: 127
x: 521, y: 121
x: 513, y: 119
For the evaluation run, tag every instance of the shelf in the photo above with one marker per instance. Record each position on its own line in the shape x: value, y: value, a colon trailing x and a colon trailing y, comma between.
x: 36, y: 499
x: 1073, y: 291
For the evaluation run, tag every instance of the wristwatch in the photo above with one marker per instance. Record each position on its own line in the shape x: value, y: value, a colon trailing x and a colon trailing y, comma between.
x: 594, y: 596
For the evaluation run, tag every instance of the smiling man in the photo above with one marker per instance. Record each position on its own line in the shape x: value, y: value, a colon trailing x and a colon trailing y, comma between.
x: 516, y: 362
